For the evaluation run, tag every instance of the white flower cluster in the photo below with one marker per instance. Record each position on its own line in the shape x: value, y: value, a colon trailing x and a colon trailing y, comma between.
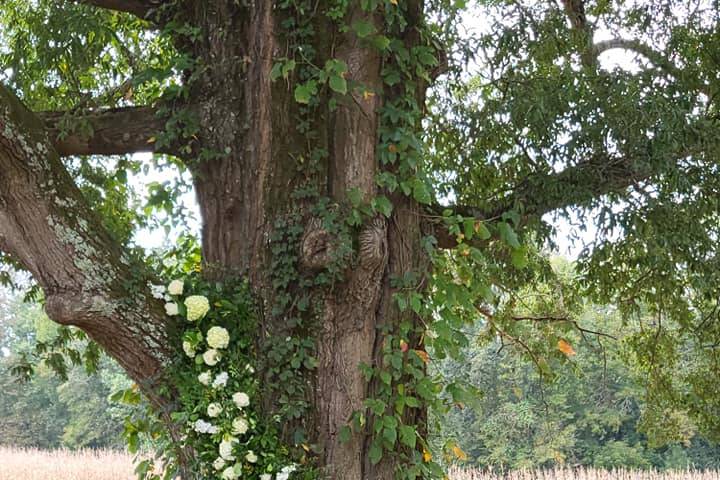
x: 218, y: 337
x: 201, y: 426
x: 197, y: 307
x: 226, y: 418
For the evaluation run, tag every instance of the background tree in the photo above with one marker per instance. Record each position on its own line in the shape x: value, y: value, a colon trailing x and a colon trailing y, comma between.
x: 592, y: 410
x: 49, y: 411
x: 300, y: 126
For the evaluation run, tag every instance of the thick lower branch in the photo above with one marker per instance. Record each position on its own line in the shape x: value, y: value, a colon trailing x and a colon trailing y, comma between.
x: 139, y: 8
x: 106, y: 132
x: 48, y: 227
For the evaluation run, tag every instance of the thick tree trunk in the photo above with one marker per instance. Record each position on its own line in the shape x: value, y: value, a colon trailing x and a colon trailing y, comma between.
x: 253, y: 123
x: 245, y: 167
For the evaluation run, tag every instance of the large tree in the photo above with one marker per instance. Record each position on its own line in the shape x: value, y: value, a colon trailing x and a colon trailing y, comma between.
x: 300, y: 123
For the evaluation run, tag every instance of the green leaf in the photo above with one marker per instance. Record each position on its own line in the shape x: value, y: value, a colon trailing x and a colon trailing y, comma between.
x: 338, y: 84
x: 508, y: 235
x: 382, y: 204
x: 408, y: 436
x: 305, y: 91
x: 519, y: 257
x: 363, y: 28
x: 376, y: 452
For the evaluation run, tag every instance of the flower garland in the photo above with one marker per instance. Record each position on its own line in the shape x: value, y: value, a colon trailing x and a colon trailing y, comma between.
x: 217, y: 387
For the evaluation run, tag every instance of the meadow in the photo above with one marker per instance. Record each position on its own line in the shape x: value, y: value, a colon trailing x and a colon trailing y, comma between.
x: 34, y: 464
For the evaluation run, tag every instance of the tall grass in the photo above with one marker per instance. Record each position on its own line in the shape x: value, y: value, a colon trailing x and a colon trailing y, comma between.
x: 34, y: 464
x: 582, y: 474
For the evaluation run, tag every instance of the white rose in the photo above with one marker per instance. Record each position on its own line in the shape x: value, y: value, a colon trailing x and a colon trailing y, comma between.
x: 176, y: 287
x: 214, y: 409
x: 218, y: 337
x: 241, y: 399
x: 251, y: 457
x: 211, y: 357
x: 172, y: 309
x: 229, y: 474
x: 221, y: 380
x: 226, y: 447
x: 219, y: 463
x: 240, y: 426
x: 189, y: 349
x: 205, y: 378
x: 197, y: 307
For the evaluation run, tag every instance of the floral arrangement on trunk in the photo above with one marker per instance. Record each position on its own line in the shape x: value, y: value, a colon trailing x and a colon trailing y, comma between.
x: 218, y: 388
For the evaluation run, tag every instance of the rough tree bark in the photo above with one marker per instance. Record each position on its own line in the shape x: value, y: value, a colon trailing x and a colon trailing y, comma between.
x: 48, y: 227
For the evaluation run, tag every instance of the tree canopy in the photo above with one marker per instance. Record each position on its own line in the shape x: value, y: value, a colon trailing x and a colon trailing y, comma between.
x: 384, y: 180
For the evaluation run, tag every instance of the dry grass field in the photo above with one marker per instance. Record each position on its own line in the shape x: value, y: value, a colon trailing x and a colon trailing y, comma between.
x: 33, y: 464
x: 582, y: 474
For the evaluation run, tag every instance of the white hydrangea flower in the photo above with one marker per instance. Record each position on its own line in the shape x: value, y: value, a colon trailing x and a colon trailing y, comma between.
x: 285, y: 472
x: 240, y: 426
x: 214, y: 409
x: 205, y: 378
x: 188, y: 349
x: 176, y: 287
x: 172, y: 309
x: 211, y: 357
x: 251, y: 457
x: 265, y: 476
x: 226, y: 447
x: 219, y: 463
x: 201, y: 426
x: 157, y: 291
x: 218, y: 337
x: 229, y: 474
x: 197, y: 307
x: 241, y: 399
x: 220, y: 380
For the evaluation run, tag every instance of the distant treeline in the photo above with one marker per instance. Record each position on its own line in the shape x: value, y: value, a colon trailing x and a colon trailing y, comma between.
x: 592, y: 412
x: 45, y: 411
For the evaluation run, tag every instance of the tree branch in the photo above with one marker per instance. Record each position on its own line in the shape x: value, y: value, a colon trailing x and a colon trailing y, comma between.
x: 655, y: 57
x: 139, y: 8
x: 543, y: 193
x: 48, y: 227
x: 105, y: 132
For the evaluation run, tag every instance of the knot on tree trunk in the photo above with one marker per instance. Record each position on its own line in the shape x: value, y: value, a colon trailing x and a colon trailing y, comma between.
x: 316, y: 247
x: 78, y: 308
x: 373, y: 243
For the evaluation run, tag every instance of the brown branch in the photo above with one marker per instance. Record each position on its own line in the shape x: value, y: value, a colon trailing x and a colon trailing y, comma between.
x: 543, y: 193
x: 563, y: 318
x: 575, y: 11
x: 48, y: 227
x: 105, y: 132
x: 656, y: 58
x: 139, y: 8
